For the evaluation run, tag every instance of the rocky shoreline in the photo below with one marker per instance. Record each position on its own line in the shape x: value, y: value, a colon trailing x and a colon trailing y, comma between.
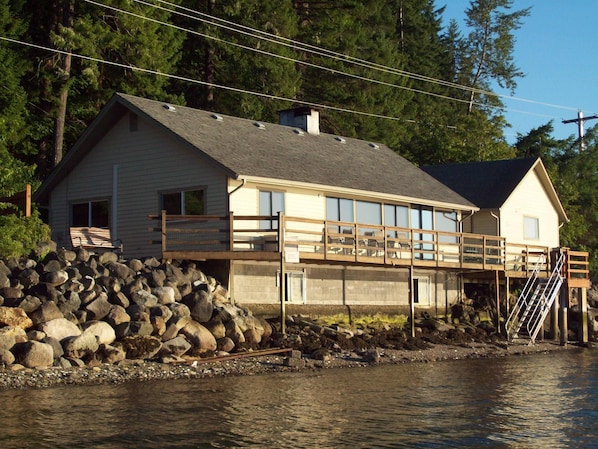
x: 75, y: 318
x: 145, y: 371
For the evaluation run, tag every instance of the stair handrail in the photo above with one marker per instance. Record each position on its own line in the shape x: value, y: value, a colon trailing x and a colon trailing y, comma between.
x: 548, y: 295
x: 513, y: 322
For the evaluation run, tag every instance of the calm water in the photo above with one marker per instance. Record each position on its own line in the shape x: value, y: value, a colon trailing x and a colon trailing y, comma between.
x: 539, y: 401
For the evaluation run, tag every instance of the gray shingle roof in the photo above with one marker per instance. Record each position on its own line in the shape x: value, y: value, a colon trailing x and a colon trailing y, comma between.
x: 486, y: 184
x: 241, y: 148
x: 276, y: 151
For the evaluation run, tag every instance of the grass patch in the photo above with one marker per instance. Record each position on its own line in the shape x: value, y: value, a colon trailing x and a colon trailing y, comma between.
x: 376, y: 321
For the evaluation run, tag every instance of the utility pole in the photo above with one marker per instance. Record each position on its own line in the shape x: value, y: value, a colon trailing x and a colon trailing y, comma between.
x: 580, y: 129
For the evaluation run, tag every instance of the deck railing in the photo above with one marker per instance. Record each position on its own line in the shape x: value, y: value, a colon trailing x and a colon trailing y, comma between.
x: 265, y: 237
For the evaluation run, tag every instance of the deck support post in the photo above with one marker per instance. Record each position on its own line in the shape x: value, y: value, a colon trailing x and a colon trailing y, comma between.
x: 497, y: 293
x: 564, y: 303
x: 283, y: 287
x: 583, y: 319
x: 411, y: 302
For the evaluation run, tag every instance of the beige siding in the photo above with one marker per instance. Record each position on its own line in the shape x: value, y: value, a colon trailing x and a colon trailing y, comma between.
x: 144, y: 169
x: 530, y: 200
x: 484, y: 223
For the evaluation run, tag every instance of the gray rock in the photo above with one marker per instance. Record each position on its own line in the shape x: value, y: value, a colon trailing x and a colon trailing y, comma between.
x: 7, y: 358
x: 7, y: 341
x: 200, y: 305
x: 81, y: 346
x: 117, y: 315
x: 176, y: 346
x: 225, y: 344
x: 99, y: 307
x: 35, y: 354
x: 110, y: 354
x: 216, y: 327
x: 103, y: 332
x: 120, y: 299
x: 30, y: 303
x: 174, y: 325
x: 200, y: 337
x: 144, y: 298
x: 165, y: 295
x: 56, y: 346
x: 140, y: 328
x: 28, y: 278
x: 108, y: 257
x: 120, y: 271
x: 56, y: 278
x: 60, y: 329
x: 48, y: 311
x: 135, y: 264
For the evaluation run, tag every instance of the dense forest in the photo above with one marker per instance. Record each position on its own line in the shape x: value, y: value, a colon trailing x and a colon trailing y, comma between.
x: 391, y: 71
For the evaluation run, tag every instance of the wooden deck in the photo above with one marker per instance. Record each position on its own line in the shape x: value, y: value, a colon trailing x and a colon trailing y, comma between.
x: 233, y: 237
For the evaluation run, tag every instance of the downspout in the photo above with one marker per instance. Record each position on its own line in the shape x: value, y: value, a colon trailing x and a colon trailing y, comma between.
x: 243, y: 181
x: 497, y: 223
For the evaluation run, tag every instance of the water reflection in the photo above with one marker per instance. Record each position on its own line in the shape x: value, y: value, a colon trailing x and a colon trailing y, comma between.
x: 517, y: 402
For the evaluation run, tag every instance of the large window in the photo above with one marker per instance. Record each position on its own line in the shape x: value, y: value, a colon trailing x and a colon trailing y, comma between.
x: 397, y: 216
x: 188, y: 202
x: 90, y: 213
x: 446, y: 222
x: 270, y: 204
x: 422, y: 218
x: 531, y: 228
x: 340, y: 209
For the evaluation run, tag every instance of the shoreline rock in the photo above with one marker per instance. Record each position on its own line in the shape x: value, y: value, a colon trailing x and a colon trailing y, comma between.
x: 77, y: 318
x: 145, y: 371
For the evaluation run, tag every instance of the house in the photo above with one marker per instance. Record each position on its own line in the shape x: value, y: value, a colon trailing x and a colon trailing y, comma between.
x: 516, y: 198
x: 340, y: 222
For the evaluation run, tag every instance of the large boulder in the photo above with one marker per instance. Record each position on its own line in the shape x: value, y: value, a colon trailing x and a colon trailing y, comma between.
x: 103, y: 332
x: 200, y: 337
x: 81, y: 346
x: 14, y: 316
x: 99, y: 307
x: 60, y: 329
x: 35, y: 354
x: 200, y: 305
x: 48, y: 311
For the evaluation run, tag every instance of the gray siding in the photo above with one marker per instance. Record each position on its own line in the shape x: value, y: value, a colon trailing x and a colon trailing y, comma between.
x: 149, y: 161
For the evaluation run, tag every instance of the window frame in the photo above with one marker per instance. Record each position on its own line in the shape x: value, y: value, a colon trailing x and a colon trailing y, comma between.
x: 269, y: 208
x: 535, y: 223
x: 91, y: 221
x: 183, y: 202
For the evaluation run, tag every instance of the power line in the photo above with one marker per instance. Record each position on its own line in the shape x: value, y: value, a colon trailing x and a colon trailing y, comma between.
x: 191, y: 80
x: 339, y: 56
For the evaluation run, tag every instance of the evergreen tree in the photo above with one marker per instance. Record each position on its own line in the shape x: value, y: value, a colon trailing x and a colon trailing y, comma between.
x: 101, y: 33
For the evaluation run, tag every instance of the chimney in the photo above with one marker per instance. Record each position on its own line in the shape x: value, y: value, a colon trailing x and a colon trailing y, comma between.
x: 304, y: 117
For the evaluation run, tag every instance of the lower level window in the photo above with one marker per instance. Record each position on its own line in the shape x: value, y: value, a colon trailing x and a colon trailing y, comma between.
x: 189, y: 202
x: 90, y: 213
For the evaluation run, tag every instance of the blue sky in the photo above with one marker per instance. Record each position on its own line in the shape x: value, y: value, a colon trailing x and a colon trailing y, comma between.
x: 556, y: 48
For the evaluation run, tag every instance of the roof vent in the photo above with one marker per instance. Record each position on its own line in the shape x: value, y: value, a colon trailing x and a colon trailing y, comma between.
x: 374, y: 145
x: 169, y: 107
x: 299, y: 131
x: 259, y: 125
x: 216, y: 117
x: 340, y: 139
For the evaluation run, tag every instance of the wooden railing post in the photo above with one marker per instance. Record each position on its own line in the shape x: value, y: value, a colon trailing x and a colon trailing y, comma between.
x: 231, y: 231
x: 163, y: 231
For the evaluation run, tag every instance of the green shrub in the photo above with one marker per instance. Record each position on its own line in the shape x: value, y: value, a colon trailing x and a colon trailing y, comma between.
x: 20, y: 235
